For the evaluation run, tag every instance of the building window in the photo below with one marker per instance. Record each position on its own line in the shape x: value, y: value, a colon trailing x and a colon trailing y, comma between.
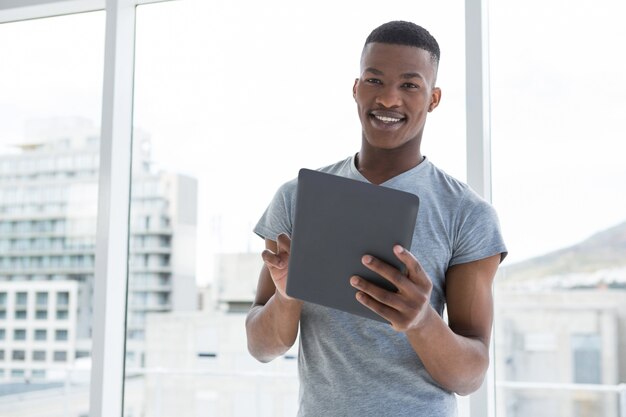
x: 19, y: 334
x: 21, y: 298
x: 60, y: 335
x: 1, y: 354
x: 38, y: 374
x: 3, y: 314
x: 17, y: 373
x: 586, y: 354
x: 2, y: 334
x: 3, y: 298
x: 82, y: 354
x: 60, y: 356
x: 62, y: 314
x: 42, y: 299
x: 41, y: 334
x: 63, y: 298
x: 19, y: 355
x: 41, y: 315
x: 136, y: 334
x: 20, y: 314
x: 39, y: 355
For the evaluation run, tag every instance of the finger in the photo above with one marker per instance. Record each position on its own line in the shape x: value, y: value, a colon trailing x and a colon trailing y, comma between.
x: 388, y: 272
x: 388, y: 298
x: 382, y: 310
x: 284, y: 243
x: 415, y: 272
x: 273, y: 260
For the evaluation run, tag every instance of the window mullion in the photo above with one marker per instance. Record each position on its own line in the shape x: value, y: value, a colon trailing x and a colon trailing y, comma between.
x: 113, y: 212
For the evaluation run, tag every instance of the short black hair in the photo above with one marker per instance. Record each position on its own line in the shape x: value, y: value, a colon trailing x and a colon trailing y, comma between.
x: 399, y: 32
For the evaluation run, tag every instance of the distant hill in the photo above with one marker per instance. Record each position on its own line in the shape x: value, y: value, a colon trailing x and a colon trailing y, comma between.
x: 603, y: 251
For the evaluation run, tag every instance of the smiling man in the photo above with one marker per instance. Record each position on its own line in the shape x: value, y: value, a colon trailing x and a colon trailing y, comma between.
x: 352, y: 366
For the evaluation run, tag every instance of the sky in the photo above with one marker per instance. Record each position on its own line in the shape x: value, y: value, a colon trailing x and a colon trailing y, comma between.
x: 241, y: 96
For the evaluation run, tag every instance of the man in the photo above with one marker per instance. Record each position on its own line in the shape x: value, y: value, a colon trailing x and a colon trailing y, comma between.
x: 352, y: 366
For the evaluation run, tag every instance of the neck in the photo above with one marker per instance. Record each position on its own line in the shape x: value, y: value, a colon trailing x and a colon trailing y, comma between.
x: 380, y: 165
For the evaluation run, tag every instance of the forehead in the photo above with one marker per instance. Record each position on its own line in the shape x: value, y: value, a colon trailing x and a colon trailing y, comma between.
x: 397, y: 59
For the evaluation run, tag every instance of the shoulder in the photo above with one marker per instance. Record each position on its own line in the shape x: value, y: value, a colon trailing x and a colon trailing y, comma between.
x: 342, y: 167
x: 458, y: 196
x: 447, y: 190
x: 289, y: 188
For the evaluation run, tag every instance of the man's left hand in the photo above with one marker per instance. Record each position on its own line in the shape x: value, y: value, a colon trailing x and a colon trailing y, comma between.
x: 406, y: 309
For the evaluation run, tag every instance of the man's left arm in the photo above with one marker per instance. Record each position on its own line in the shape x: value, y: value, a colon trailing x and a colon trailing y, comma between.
x: 456, y: 355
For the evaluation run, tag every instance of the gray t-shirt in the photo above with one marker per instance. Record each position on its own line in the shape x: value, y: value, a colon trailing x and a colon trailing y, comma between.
x: 352, y: 366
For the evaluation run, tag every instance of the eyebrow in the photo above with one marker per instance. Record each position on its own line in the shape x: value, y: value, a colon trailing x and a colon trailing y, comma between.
x: 405, y: 76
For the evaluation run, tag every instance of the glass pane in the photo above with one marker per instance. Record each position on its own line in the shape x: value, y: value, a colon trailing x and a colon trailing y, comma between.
x: 51, y: 82
x: 231, y: 99
x: 558, y: 183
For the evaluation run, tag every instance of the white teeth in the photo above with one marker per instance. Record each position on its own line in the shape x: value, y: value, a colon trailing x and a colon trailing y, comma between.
x: 385, y: 119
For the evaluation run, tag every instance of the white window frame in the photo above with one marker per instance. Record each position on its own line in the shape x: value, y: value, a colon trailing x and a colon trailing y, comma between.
x: 107, y: 374
x: 478, y: 153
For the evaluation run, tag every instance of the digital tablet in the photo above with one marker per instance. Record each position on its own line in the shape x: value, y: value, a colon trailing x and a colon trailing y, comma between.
x: 337, y: 221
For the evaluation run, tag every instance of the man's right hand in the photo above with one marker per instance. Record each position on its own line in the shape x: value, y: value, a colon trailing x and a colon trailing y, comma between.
x: 272, y: 323
x: 278, y: 264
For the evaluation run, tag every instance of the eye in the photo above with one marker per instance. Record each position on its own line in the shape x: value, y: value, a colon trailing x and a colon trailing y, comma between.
x: 373, y: 81
x: 410, y: 85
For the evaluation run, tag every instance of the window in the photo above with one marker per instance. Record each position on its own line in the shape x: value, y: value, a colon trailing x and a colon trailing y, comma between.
x: 41, y: 334
x: 1, y: 354
x: 21, y: 298
x: 93, y: 25
x: 61, y: 314
x: 19, y: 334
x: 17, y: 373
x: 63, y: 298
x: 586, y: 352
x: 60, y: 335
x: 82, y: 354
x: 2, y: 334
x: 42, y: 299
x: 558, y: 176
x: 39, y: 374
x: 51, y: 105
x: 156, y: 229
x: 18, y: 355
x: 60, y: 356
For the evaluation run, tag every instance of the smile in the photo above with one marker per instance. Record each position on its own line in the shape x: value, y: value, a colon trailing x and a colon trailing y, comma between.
x: 385, y: 119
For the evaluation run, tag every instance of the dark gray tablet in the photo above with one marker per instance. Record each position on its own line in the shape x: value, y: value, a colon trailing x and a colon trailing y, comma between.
x: 338, y: 220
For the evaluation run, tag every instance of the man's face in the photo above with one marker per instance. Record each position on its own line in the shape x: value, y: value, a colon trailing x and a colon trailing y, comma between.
x: 394, y: 93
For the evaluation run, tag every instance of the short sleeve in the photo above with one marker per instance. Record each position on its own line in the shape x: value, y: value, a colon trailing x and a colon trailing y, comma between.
x: 478, y: 233
x: 278, y: 217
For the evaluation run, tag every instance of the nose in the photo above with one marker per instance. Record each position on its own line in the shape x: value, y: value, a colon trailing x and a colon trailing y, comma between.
x: 388, y: 97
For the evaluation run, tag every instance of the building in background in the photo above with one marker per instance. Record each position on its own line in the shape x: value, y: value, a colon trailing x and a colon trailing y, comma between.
x: 560, y: 337
x: 48, y: 212
x: 236, y: 276
x: 197, y: 363
x: 38, y: 329
x: 561, y: 319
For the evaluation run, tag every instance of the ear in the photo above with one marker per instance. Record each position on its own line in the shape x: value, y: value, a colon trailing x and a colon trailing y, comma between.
x: 435, y: 98
x: 356, y: 82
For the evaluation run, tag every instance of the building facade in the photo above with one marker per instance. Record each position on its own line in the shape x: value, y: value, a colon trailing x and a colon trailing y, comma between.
x: 48, y: 212
x: 563, y: 352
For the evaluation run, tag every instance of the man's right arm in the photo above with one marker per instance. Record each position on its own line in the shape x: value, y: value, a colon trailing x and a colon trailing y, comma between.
x: 272, y: 323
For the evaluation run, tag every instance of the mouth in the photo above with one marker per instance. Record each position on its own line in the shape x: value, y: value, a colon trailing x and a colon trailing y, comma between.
x: 386, y: 119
